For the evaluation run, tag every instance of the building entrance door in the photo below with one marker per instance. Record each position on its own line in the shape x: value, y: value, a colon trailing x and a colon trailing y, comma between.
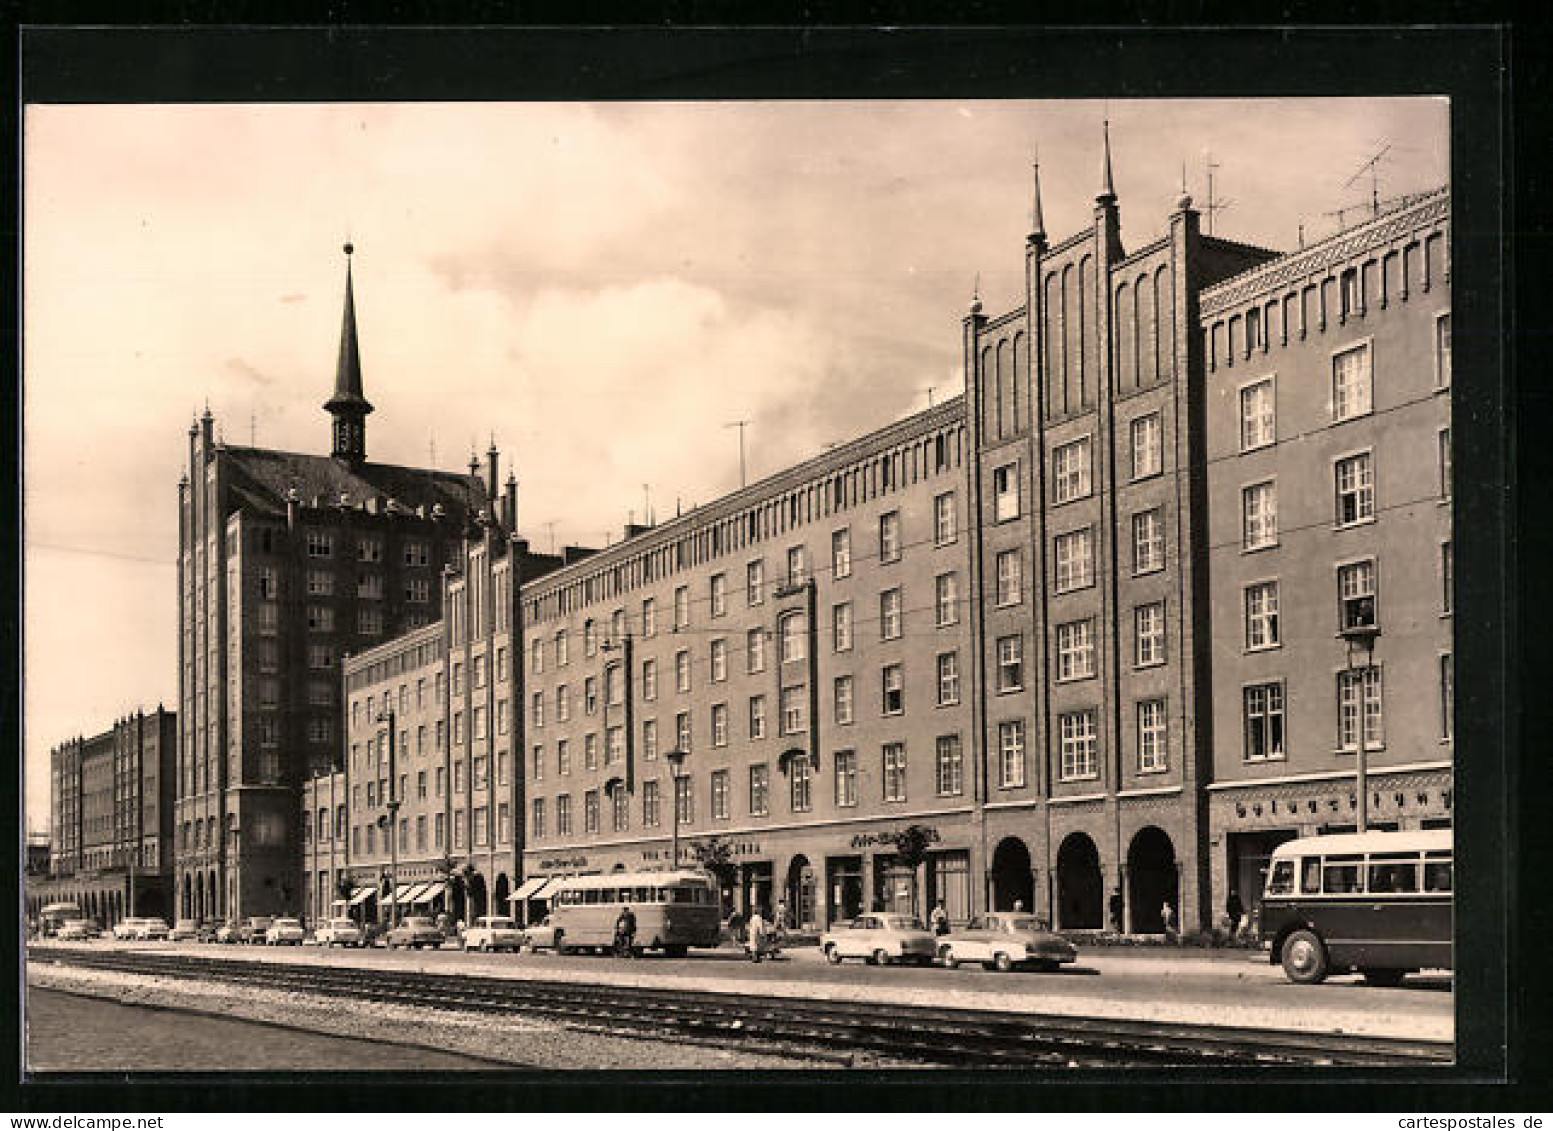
x: 757, y: 888
x: 843, y: 888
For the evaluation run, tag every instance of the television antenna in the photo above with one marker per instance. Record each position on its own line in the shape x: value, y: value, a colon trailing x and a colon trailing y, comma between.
x: 1372, y: 167
x: 1214, y: 205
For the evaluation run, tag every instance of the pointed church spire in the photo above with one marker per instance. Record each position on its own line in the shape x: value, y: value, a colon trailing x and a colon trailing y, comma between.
x: 1037, y: 218
x: 1108, y: 186
x: 349, y: 406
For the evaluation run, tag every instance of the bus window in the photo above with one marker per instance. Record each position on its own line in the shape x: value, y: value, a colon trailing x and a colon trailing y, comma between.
x: 1393, y: 874
x: 1437, y: 873
x: 1310, y: 875
x: 1282, y: 880
x: 1340, y: 875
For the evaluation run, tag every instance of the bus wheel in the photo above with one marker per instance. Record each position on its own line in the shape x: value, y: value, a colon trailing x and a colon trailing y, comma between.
x: 1304, y: 958
x: 1384, y: 977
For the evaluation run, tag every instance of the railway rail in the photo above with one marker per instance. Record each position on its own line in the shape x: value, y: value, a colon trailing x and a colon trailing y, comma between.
x: 836, y: 1030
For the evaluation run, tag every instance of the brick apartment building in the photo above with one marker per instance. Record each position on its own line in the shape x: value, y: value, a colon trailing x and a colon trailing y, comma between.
x: 112, y: 839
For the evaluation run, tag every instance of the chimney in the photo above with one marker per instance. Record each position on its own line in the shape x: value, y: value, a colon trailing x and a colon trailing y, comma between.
x: 492, y: 459
x: 293, y: 501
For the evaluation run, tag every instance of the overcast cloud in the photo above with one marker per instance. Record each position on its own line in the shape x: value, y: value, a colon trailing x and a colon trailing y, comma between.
x: 603, y: 287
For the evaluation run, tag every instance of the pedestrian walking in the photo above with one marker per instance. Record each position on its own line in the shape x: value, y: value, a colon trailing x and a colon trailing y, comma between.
x: 1019, y: 905
x: 1235, y: 910
x: 1168, y: 914
x: 1116, y: 910
x: 939, y: 919
x: 755, y: 934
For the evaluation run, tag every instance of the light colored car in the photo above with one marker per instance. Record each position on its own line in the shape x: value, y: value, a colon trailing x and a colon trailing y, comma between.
x: 184, y: 930
x: 77, y: 930
x: 540, y: 936
x: 285, y: 932
x: 416, y: 931
x: 339, y: 932
x: 1003, y: 940
x: 878, y: 938
x: 228, y: 932
x: 493, y: 932
x: 147, y: 929
x: 253, y: 930
x: 126, y: 928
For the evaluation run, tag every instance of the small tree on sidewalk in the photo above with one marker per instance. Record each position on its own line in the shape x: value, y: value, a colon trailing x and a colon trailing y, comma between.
x: 715, y: 855
x: 911, y: 846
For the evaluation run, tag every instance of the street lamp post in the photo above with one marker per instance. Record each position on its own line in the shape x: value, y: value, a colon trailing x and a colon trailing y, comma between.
x: 392, y: 805
x: 676, y: 759
x: 1362, y: 636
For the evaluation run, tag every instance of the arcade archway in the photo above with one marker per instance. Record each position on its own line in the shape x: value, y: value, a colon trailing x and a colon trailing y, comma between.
x: 1079, y: 902
x: 1012, y: 880
x: 1153, y: 880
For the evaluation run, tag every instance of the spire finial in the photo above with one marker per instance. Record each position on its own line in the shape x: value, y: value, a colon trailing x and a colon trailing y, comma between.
x: 1108, y: 186
x: 1037, y: 218
x: 349, y: 406
x: 976, y: 295
x: 1184, y: 201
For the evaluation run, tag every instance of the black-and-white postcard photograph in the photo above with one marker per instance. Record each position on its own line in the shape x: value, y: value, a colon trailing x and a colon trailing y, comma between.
x: 760, y: 584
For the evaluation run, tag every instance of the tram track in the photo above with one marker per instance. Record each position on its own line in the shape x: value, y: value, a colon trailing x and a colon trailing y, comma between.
x: 834, y: 1031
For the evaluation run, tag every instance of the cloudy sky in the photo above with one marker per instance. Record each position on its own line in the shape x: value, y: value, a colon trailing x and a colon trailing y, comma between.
x: 602, y: 286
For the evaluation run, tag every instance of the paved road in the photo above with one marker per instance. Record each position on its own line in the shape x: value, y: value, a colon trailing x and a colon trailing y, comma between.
x: 67, y: 1033
x: 1227, y: 987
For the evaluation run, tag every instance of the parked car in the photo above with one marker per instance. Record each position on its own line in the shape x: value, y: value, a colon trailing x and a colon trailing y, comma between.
x: 416, y: 931
x: 493, y: 932
x: 253, y: 929
x: 285, y: 932
x: 207, y: 932
x: 879, y: 938
x: 127, y: 928
x: 339, y: 932
x: 541, y: 935
x: 77, y: 930
x: 228, y: 932
x: 151, y: 928
x: 1003, y: 940
x: 184, y: 930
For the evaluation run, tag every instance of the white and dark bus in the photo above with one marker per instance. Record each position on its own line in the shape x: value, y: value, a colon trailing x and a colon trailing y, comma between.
x: 674, y: 910
x: 1377, y: 903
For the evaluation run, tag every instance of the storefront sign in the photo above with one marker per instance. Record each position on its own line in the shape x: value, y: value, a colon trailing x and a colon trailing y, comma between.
x: 555, y: 862
x: 870, y: 840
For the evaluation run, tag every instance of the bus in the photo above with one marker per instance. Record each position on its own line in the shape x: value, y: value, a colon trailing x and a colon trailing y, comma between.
x: 1378, y: 903
x: 674, y: 910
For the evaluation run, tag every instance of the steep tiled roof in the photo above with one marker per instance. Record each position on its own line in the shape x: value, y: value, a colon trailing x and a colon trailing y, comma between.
x: 261, y: 477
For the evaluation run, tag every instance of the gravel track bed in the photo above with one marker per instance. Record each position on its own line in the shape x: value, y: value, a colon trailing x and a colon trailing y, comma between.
x: 514, y: 1041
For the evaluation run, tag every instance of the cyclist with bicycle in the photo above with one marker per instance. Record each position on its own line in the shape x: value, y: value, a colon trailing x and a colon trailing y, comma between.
x: 625, y: 933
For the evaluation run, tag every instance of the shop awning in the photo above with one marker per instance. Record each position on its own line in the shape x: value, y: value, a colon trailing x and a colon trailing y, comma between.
x: 361, y: 895
x: 429, y: 892
x: 529, y: 886
x: 408, y: 892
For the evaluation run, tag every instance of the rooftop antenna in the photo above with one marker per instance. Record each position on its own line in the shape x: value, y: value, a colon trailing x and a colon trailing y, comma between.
x: 1341, y: 214
x: 929, y: 391
x: 1371, y: 166
x: 646, y: 505
x: 1215, y: 206
x: 431, y: 450
x: 740, y: 425
x: 253, y: 429
x: 1302, y: 235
